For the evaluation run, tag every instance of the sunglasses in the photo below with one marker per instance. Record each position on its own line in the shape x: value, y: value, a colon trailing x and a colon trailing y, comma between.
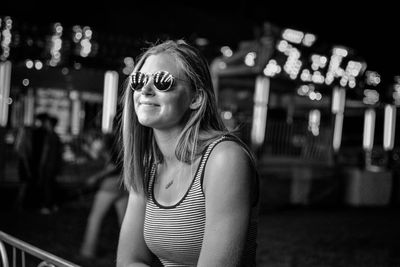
x: 162, y: 80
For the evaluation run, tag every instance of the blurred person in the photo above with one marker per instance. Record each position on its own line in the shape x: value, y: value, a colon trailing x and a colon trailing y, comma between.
x: 92, y: 144
x: 110, y: 192
x: 38, y: 137
x: 193, y: 186
x: 23, y: 147
x: 50, y: 166
x: 29, y: 148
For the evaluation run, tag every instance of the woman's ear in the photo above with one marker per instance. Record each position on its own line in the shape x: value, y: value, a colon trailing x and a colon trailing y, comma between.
x: 197, y: 99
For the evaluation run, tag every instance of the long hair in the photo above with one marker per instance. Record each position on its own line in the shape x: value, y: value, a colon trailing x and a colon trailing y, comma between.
x: 203, y: 125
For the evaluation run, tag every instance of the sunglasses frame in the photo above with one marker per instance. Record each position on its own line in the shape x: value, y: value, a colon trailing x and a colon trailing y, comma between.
x: 153, y: 76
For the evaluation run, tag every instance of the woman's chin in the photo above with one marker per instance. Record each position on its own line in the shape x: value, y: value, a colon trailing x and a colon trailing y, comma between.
x: 147, y: 122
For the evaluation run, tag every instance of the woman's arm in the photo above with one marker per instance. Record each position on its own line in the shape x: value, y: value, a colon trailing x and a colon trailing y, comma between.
x: 98, y: 176
x: 132, y: 249
x: 228, y: 185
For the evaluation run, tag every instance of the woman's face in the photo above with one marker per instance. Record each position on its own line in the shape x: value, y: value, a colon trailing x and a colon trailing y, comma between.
x: 163, y: 110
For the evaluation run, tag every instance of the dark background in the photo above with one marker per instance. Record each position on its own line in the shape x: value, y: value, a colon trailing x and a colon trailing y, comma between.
x: 369, y: 28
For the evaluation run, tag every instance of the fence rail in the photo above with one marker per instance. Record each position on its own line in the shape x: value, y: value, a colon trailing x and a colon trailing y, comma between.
x: 22, y: 248
x: 296, y: 141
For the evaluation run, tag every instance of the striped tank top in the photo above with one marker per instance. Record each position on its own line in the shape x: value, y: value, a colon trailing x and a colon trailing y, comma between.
x: 175, y: 233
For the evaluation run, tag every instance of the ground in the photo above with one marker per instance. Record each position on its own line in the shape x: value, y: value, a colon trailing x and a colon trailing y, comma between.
x: 288, y: 236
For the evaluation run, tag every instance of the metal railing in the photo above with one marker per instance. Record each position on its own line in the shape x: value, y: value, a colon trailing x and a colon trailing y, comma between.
x: 22, y: 248
x: 295, y: 141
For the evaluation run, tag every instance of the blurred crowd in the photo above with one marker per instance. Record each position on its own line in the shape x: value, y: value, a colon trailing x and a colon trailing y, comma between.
x: 39, y: 151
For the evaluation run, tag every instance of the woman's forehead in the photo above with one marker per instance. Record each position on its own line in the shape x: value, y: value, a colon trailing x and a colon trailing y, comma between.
x: 161, y: 62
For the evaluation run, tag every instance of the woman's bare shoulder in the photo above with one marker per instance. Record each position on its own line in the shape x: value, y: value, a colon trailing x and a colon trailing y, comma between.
x: 229, y: 162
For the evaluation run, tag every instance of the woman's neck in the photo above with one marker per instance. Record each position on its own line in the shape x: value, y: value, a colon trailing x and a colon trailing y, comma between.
x: 166, y: 141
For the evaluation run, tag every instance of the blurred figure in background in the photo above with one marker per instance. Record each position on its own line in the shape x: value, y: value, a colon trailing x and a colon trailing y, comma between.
x: 110, y: 192
x: 50, y: 166
x: 24, y: 149
x: 29, y: 145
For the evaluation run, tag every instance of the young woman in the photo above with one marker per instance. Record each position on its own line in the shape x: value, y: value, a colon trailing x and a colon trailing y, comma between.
x: 193, y: 186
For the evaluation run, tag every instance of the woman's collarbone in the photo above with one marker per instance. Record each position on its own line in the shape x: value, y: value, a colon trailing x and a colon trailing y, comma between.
x: 171, y: 185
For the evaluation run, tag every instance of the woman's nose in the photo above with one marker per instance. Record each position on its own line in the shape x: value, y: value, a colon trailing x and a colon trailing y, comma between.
x: 148, y: 89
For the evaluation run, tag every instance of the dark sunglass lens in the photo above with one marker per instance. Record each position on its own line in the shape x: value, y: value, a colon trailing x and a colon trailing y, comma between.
x: 163, y: 80
x: 138, y: 80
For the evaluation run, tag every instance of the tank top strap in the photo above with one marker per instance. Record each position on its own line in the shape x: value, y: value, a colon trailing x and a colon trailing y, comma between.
x: 204, y: 159
x: 152, y: 177
x: 206, y: 155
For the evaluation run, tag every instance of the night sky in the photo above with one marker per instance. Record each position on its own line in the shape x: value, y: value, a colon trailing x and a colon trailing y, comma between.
x: 369, y: 29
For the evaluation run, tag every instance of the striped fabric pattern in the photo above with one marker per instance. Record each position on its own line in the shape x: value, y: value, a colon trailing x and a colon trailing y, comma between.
x: 175, y: 233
